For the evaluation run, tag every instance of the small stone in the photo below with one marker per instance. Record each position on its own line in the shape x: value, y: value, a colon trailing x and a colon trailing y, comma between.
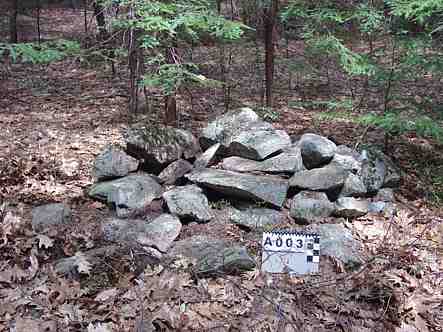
x: 347, y: 162
x: 373, y: 173
x: 385, y: 195
x: 316, y: 150
x: 353, y: 187
x: 386, y: 208
x: 46, y: 216
x: 309, y: 206
x: 208, y: 157
x: 188, y: 202
x: 347, y: 151
x: 175, y: 171
x: 349, y: 207
x: 255, y: 218
x: 113, y: 163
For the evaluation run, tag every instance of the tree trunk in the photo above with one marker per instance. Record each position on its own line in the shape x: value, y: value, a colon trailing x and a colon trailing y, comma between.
x: 85, y: 14
x: 270, y: 15
x: 13, y: 37
x: 101, y: 21
x: 171, y: 116
x: 134, y: 70
x: 39, y: 35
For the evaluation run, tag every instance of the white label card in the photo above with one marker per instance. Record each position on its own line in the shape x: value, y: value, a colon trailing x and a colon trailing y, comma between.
x: 290, y: 252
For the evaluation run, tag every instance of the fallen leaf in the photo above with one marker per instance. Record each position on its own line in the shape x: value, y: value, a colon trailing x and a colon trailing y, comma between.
x: 80, y: 260
x: 44, y: 241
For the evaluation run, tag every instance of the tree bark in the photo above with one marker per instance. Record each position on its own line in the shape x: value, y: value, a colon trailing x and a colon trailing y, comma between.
x: 13, y: 36
x: 134, y: 72
x: 101, y: 21
x: 171, y: 116
x: 270, y: 15
x: 39, y: 35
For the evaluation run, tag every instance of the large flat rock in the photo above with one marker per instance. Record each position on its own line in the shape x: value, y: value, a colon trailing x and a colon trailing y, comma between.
x: 288, y: 162
x: 266, y: 189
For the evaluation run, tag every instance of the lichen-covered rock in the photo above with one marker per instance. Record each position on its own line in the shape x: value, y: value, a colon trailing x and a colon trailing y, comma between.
x: 49, y: 215
x: 327, y: 178
x: 128, y: 195
x: 175, y: 171
x: 349, y: 207
x: 224, y: 127
x: 211, y: 256
x: 266, y: 189
x: 158, y: 234
x: 316, y: 150
x: 112, y: 163
x: 310, y: 206
x: 373, y: 172
x: 255, y: 218
x: 188, y: 203
x: 158, y: 146
x: 379, y: 171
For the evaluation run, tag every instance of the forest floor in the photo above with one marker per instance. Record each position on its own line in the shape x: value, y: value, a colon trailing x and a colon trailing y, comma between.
x: 56, y: 118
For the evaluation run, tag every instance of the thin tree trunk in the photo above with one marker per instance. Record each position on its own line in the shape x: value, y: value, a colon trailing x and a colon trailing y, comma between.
x: 270, y: 15
x: 133, y: 69
x: 171, y: 116
x: 101, y: 21
x: 39, y: 35
x: 13, y: 36
x: 85, y: 14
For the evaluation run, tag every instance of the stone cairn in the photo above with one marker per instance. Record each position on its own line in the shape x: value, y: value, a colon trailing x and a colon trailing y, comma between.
x: 246, y: 161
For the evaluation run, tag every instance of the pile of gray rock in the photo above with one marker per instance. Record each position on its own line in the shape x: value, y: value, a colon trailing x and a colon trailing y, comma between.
x: 256, y: 167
